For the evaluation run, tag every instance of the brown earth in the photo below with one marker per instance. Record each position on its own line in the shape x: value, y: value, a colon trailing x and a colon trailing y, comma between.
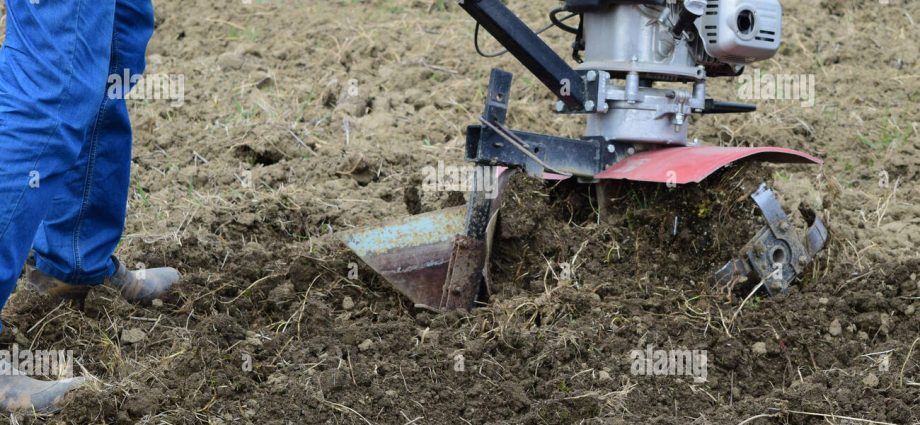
x: 331, y: 109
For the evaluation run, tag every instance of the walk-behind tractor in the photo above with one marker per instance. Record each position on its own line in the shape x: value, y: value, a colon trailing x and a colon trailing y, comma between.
x: 637, y: 130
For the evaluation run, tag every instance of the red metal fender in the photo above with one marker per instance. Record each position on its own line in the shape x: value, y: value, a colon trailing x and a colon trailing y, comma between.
x: 692, y: 164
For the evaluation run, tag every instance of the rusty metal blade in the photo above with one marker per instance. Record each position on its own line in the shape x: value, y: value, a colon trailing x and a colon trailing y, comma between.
x: 439, y: 260
x: 412, y: 253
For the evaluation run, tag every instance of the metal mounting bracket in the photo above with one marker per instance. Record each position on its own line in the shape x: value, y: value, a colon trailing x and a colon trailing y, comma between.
x: 494, y: 144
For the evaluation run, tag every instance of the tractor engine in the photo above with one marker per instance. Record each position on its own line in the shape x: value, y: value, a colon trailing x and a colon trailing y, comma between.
x: 636, y: 44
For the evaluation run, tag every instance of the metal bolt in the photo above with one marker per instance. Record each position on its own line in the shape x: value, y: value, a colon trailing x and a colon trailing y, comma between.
x: 611, y: 148
x: 591, y: 76
x: 679, y: 119
x: 631, y: 151
x: 560, y: 106
x: 589, y: 105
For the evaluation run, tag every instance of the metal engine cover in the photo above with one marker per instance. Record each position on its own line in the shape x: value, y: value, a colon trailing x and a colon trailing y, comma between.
x: 741, y: 31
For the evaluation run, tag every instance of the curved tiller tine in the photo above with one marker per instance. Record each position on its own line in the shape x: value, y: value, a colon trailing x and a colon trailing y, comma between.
x: 776, y: 255
x: 439, y: 260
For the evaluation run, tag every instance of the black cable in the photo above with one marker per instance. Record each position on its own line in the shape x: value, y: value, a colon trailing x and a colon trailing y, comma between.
x: 559, y: 23
x: 579, y: 44
x: 540, y: 31
x: 478, y: 50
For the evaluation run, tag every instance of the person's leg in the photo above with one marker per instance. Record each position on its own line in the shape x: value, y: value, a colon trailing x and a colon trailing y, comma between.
x: 77, y: 239
x: 75, y: 245
x: 54, y: 60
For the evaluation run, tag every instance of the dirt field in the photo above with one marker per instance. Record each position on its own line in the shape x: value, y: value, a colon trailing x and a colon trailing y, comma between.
x: 305, y: 118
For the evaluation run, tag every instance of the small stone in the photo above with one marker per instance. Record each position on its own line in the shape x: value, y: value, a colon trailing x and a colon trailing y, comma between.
x: 348, y: 303
x: 870, y: 380
x: 264, y: 80
x: 823, y: 300
x: 862, y: 336
x: 760, y: 348
x: 157, y: 302
x: 603, y: 375
x: 367, y: 344
x: 230, y: 60
x: 884, y: 364
x: 132, y: 336
x: 911, y: 309
x: 835, y: 328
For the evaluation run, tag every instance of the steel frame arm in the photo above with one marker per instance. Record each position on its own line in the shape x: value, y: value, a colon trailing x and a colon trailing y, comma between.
x: 529, y: 49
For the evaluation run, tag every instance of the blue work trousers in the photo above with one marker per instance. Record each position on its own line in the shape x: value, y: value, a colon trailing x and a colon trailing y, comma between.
x: 65, y: 139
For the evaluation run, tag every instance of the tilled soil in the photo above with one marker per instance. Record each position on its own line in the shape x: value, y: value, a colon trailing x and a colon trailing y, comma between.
x: 303, y: 119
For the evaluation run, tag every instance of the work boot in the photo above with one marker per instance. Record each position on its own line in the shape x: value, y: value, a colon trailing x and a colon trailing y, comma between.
x: 143, y: 285
x: 22, y: 393
x: 135, y: 286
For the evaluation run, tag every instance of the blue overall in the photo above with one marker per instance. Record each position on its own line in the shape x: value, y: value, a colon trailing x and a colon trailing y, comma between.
x: 65, y: 142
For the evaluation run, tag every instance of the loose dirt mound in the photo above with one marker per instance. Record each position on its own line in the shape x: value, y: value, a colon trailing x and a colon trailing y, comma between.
x: 306, y: 118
